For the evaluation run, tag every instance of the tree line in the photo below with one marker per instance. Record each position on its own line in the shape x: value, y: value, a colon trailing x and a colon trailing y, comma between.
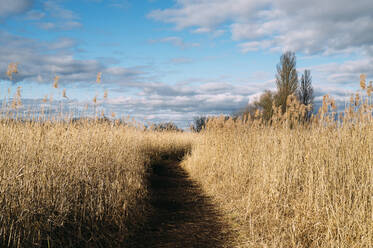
x: 287, y: 84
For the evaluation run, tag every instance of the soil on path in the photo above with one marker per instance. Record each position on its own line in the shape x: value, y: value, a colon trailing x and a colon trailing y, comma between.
x: 183, y: 216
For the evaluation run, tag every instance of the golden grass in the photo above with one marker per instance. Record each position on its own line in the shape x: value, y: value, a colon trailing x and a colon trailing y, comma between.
x: 82, y: 184
x: 12, y: 69
x: 291, y: 185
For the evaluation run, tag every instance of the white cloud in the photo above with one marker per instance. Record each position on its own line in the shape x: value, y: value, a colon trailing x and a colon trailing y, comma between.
x: 61, y: 19
x: 161, y: 102
x: 46, y: 25
x: 216, y: 87
x: 122, y: 4
x: 61, y: 43
x: 34, y: 15
x: 254, y: 45
x: 205, y: 13
x: 12, y: 7
x: 333, y: 26
x: 250, y: 31
x: 41, y: 61
x: 57, y: 11
x: 202, y: 30
x: 176, y: 41
x: 58, y: 26
x: 346, y: 73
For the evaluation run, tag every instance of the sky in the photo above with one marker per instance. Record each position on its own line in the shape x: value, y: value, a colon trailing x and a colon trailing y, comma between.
x: 173, y: 60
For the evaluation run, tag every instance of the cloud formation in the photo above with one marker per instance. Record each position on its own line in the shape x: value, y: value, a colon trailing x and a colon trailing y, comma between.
x: 13, y: 7
x: 41, y: 61
x: 312, y: 27
x: 342, y: 75
x: 162, y: 102
x: 176, y: 41
x: 53, y: 16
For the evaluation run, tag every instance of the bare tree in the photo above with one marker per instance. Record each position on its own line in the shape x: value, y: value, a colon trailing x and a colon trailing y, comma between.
x: 199, y: 123
x: 286, y: 79
x: 166, y: 126
x: 305, y: 91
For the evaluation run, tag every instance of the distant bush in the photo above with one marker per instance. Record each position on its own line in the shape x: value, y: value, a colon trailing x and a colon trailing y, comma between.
x: 199, y: 123
x: 166, y: 126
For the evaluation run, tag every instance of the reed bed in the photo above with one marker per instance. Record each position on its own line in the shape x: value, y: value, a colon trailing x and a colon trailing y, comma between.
x: 76, y: 184
x: 288, y: 183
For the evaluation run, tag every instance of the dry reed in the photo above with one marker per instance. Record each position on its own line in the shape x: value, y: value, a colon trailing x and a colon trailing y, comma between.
x: 289, y: 184
x: 72, y: 184
x: 283, y: 183
x: 75, y: 183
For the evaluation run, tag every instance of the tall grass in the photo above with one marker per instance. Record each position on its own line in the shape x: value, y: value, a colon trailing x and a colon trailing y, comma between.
x: 68, y: 182
x: 291, y: 184
x: 69, y: 185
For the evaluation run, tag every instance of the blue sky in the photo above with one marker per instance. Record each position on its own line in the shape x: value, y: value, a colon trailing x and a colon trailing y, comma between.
x: 172, y: 60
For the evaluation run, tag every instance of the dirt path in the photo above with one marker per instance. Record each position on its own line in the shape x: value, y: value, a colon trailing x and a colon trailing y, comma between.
x: 183, y: 216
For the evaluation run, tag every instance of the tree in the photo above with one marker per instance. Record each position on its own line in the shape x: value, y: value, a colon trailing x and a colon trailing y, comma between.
x: 199, y: 123
x: 166, y: 126
x: 286, y: 79
x: 305, y: 91
x: 264, y: 104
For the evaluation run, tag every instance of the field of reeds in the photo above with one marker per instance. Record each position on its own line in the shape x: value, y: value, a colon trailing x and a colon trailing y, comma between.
x: 283, y: 183
x: 289, y: 184
x: 75, y: 184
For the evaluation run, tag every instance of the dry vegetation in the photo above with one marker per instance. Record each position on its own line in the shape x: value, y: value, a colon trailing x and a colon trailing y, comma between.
x: 283, y: 183
x: 289, y: 184
x: 84, y: 184
x: 68, y: 182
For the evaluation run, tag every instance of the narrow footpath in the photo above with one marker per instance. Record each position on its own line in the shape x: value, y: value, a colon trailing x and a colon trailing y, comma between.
x: 183, y: 216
